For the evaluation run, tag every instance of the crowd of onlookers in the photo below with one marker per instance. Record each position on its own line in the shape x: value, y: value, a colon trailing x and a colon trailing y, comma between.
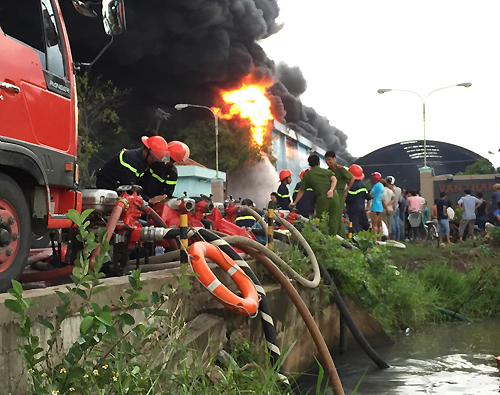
x: 388, y: 209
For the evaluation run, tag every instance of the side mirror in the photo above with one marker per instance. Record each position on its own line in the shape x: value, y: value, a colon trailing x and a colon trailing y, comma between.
x: 113, y: 17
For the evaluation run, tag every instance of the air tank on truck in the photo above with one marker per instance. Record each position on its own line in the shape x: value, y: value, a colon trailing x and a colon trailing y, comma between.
x: 39, y: 123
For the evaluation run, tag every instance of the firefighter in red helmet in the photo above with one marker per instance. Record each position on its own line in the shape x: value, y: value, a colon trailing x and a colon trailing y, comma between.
x: 160, y: 179
x: 283, y: 192
x: 128, y: 166
x: 358, y: 200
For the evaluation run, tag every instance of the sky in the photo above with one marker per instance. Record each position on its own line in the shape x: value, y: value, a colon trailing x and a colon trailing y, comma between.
x: 347, y: 50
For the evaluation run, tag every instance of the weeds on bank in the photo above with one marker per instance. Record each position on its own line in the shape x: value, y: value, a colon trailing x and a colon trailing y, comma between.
x: 141, y: 348
x: 399, y: 297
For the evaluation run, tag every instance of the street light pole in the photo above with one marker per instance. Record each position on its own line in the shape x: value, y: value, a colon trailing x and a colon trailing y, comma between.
x: 216, y: 119
x: 423, y: 99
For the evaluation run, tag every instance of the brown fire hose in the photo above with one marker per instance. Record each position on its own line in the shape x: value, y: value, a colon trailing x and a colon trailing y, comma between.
x: 328, y: 364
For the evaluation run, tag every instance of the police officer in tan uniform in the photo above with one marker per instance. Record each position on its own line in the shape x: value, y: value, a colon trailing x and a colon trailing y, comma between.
x: 344, y: 178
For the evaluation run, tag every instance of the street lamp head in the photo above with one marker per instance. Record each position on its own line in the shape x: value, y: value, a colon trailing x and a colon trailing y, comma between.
x: 181, y: 106
x: 384, y: 90
x: 465, y: 84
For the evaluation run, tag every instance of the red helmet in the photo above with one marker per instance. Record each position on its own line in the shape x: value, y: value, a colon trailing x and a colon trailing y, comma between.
x: 285, y: 173
x: 357, y: 172
x: 376, y: 176
x: 157, y: 147
x: 302, y: 173
x: 178, y: 151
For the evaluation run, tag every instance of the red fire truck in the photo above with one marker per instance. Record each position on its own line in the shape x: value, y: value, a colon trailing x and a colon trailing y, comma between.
x: 38, y: 123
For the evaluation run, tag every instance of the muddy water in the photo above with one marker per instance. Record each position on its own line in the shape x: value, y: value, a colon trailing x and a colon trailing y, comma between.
x: 453, y: 358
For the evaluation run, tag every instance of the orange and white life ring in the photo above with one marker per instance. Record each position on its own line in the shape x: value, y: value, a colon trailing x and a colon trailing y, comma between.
x: 246, y: 305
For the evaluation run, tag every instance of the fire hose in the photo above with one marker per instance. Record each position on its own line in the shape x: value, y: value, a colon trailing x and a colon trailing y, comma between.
x: 278, y: 261
x: 250, y: 211
x: 67, y: 270
x: 264, y: 308
x: 253, y: 248
x: 339, y: 301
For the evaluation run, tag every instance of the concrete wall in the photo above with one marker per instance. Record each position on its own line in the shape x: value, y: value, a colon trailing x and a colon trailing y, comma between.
x: 196, y: 180
x: 210, y: 324
x: 454, y: 186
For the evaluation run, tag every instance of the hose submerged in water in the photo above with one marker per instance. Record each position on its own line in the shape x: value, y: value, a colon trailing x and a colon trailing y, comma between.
x: 252, y: 248
x: 339, y: 301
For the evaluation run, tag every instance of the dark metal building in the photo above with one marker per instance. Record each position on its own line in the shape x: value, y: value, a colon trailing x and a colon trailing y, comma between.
x: 402, y: 160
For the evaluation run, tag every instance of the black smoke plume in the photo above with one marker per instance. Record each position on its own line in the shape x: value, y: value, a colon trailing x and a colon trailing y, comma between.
x: 186, y: 51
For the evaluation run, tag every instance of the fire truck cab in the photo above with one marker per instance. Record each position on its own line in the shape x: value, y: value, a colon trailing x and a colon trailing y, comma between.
x: 38, y: 123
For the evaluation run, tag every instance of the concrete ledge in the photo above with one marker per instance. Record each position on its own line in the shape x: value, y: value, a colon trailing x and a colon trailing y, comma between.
x: 208, y: 321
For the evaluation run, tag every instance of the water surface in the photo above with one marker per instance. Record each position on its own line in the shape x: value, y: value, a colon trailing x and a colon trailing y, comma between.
x: 454, y: 358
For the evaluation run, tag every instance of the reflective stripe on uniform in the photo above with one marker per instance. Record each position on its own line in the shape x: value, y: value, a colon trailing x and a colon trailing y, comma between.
x: 125, y: 164
x: 297, y: 191
x: 358, y: 191
x: 282, y: 196
x: 245, y: 218
x: 168, y: 182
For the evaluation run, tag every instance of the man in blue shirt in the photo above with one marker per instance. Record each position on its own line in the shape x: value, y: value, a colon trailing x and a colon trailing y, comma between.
x: 377, y: 203
x: 493, y: 203
x: 496, y: 215
x: 442, y: 217
x: 468, y: 204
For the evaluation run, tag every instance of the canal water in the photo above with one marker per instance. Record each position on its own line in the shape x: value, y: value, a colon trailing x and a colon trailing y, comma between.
x: 454, y: 358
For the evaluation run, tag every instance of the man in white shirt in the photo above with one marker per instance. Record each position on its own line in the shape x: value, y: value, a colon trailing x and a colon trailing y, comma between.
x: 388, y: 200
x: 396, y: 228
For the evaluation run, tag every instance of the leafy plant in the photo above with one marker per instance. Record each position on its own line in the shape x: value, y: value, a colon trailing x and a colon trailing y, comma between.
x: 365, y: 240
x: 494, y: 235
x: 140, y: 347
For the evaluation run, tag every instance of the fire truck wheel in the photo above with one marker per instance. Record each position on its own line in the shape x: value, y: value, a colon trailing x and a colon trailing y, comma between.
x: 15, y: 231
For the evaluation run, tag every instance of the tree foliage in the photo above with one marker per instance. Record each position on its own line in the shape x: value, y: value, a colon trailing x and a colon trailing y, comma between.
x: 235, y: 146
x: 482, y: 166
x: 97, y: 104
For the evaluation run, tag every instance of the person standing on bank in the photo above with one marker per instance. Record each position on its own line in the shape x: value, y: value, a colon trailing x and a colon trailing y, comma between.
x: 344, y: 183
x: 493, y: 203
x: 358, y: 200
x: 283, y: 192
x: 443, y: 220
x: 468, y: 205
x: 377, y: 207
x: 306, y: 205
x: 322, y: 182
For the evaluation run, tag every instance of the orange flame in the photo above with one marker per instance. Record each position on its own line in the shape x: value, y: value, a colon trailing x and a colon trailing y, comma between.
x: 249, y: 102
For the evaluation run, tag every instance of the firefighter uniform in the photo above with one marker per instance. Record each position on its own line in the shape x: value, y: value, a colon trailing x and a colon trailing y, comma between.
x: 343, y: 176
x: 355, y: 205
x: 305, y: 206
x: 318, y: 180
x: 283, y: 197
x: 245, y: 221
x: 159, y: 179
x: 125, y: 168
